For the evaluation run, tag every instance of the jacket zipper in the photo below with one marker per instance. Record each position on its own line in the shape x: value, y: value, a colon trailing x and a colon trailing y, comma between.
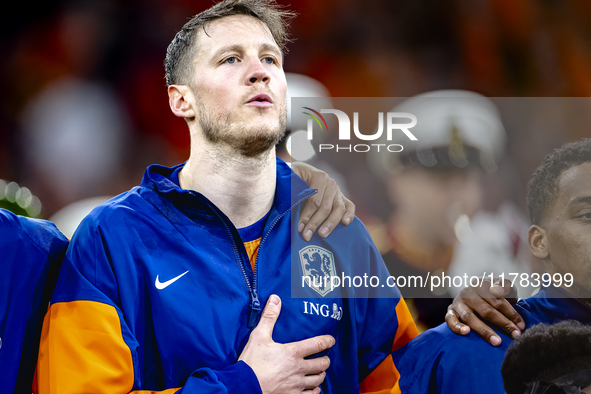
x: 254, y: 314
x: 255, y: 304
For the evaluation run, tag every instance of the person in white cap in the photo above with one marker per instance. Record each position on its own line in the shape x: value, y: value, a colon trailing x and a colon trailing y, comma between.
x: 435, y: 185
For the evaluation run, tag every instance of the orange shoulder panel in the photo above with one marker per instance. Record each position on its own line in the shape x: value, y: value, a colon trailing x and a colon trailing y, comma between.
x: 384, y: 379
x: 82, y: 350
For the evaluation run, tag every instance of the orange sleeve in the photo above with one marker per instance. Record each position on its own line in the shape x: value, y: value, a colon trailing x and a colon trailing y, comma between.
x: 82, y: 351
x: 384, y: 379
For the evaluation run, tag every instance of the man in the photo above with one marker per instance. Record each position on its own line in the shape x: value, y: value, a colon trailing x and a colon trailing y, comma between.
x: 559, y: 202
x: 550, y: 358
x: 434, y: 185
x: 31, y: 253
x: 157, y: 292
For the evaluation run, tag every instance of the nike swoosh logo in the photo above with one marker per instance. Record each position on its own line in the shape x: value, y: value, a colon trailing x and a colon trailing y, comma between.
x: 162, y: 285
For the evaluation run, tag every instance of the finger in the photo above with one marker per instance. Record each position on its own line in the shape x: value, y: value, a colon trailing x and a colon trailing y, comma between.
x: 469, y: 318
x: 509, y: 320
x: 314, y: 366
x: 452, y: 320
x: 496, y: 289
x: 507, y: 317
x: 504, y: 290
x: 511, y: 297
x: 349, y: 211
x: 313, y: 345
x: 316, y: 390
x: 500, y: 288
x: 336, y: 215
x: 322, y: 212
x: 313, y: 381
x: 269, y: 317
x: 312, y: 205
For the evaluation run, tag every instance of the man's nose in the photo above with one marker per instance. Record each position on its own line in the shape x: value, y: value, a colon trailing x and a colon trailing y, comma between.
x: 257, y: 73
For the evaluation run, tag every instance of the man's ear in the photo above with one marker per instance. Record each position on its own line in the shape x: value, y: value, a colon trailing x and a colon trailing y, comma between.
x: 181, y: 101
x: 538, y: 242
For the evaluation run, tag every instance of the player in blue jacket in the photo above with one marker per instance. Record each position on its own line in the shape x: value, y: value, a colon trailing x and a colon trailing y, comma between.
x: 129, y: 313
x: 31, y: 253
x: 559, y: 202
x: 184, y: 283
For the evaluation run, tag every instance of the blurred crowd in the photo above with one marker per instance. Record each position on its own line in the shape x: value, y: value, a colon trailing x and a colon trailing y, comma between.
x: 83, y: 104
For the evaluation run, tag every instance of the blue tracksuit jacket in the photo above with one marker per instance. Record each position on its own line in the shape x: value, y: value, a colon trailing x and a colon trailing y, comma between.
x: 439, y: 361
x: 31, y: 252
x: 157, y: 293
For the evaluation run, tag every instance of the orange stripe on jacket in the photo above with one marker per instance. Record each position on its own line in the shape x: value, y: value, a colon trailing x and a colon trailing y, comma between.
x: 384, y: 379
x: 407, y: 330
x: 82, y: 351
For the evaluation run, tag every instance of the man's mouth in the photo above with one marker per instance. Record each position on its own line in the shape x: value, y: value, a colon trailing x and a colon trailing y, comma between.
x: 261, y: 100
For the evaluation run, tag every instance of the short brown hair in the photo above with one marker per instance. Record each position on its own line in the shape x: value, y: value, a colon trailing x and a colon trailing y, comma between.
x: 182, y: 48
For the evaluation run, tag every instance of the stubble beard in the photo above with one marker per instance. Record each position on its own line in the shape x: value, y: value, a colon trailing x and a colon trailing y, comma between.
x: 248, y: 140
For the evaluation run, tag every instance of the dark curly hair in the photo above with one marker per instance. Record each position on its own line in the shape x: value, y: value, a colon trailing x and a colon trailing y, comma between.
x: 543, y: 187
x: 182, y: 48
x: 546, y: 352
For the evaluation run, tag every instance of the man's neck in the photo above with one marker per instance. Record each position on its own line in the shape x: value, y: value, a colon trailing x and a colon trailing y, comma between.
x: 241, y: 187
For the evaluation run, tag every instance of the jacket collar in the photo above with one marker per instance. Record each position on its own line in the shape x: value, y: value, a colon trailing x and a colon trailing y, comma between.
x: 556, y: 304
x: 290, y: 189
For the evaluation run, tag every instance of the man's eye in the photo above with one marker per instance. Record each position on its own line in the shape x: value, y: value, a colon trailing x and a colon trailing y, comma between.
x: 230, y: 60
x: 585, y: 216
x: 269, y: 60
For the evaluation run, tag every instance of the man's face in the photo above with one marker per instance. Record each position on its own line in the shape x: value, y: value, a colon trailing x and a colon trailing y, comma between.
x: 568, y: 226
x: 435, y: 200
x: 239, y: 85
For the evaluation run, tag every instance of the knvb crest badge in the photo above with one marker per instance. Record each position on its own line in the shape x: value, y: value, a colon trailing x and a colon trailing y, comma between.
x: 318, y: 268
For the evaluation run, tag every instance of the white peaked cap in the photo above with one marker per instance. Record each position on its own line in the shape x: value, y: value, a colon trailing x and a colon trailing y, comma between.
x: 445, y: 116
